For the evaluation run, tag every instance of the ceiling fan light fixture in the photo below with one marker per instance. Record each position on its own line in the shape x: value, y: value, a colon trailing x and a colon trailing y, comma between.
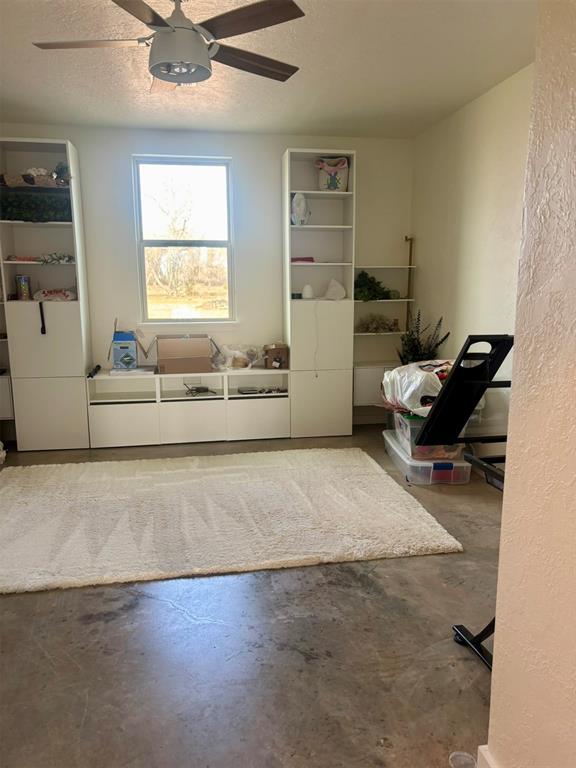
x: 180, y: 55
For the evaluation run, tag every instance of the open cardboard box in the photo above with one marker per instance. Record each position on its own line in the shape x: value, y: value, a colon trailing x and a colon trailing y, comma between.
x: 184, y: 354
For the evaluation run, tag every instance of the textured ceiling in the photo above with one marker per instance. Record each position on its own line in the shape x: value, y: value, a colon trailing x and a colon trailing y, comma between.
x: 368, y: 67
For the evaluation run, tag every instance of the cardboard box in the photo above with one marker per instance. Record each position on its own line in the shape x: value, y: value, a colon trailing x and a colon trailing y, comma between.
x: 184, y: 354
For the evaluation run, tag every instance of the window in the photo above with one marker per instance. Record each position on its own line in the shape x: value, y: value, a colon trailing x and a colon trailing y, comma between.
x: 184, y: 244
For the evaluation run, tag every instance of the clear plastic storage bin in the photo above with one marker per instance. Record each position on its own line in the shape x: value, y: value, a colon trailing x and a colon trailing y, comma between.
x: 425, y: 472
x: 407, y: 428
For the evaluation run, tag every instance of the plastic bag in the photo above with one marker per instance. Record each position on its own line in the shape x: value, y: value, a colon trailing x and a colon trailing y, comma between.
x: 415, y: 386
x: 239, y: 356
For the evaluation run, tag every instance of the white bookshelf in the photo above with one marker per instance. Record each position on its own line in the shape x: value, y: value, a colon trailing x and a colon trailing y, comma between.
x: 319, y: 331
x: 47, y: 355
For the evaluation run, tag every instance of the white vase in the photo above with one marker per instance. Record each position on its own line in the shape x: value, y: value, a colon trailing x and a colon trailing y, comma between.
x: 307, y: 292
x: 300, y: 211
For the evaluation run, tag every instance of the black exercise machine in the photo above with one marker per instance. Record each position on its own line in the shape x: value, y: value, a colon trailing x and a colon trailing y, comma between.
x: 471, y: 375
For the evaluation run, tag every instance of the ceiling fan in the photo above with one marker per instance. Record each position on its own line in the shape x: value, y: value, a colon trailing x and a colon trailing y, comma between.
x: 181, y: 52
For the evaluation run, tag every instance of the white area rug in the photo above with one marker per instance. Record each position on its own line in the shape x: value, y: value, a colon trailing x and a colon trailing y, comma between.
x: 69, y: 525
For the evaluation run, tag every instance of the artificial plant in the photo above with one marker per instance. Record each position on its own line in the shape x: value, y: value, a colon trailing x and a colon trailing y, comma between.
x: 368, y: 288
x: 419, y: 343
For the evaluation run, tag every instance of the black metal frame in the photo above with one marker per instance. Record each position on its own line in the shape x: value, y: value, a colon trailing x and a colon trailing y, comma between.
x: 471, y: 375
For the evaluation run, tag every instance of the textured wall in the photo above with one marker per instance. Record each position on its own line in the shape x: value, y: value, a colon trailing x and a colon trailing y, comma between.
x: 467, y: 212
x: 533, y: 715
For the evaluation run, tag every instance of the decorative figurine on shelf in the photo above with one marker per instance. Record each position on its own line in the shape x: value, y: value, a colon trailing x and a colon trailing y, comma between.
x: 335, y: 291
x: 307, y: 292
x: 300, y: 210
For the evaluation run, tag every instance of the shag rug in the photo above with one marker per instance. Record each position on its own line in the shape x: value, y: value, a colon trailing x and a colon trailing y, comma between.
x: 69, y: 525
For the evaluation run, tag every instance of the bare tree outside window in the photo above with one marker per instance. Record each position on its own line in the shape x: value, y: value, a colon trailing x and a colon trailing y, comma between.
x: 185, y: 246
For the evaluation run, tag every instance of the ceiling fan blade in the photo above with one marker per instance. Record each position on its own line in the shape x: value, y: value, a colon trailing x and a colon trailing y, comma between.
x: 254, y: 63
x: 90, y: 44
x: 142, y: 12
x: 266, y: 13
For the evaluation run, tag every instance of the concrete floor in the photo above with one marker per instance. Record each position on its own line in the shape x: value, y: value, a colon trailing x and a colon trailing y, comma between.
x: 336, y: 666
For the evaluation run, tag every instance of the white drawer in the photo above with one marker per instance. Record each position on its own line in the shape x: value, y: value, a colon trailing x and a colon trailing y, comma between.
x: 258, y: 418
x: 123, y: 424
x: 193, y: 421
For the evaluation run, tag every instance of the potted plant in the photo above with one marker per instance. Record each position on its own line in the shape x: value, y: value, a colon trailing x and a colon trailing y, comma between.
x: 419, y: 343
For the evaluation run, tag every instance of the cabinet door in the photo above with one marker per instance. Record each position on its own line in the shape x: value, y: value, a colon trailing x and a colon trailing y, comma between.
x: 117, y: 424
x: 258, y: 418
x: 6, y: 410
x: 58, y: 352
x: 192, y: 422
x: 321, y: 403
x: 50, y: 413
x: 322, y: 335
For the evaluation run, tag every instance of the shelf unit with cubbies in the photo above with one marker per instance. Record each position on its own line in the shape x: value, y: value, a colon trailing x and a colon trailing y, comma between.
x: 48, y: 345
x: 152, y: 409
x: 319, y: 331
x: 375, y: 352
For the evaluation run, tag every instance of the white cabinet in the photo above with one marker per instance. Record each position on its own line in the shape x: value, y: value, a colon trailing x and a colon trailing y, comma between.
x: 118, y: 424
x: 192, y: 422
x: 367, y: 384
x: 48, y: 350
x: 6, y: 409
x: 322, y: 335
x: 50, y: 413
x: 57, y: 352
x: 258, y: 418
x: 321, y: 403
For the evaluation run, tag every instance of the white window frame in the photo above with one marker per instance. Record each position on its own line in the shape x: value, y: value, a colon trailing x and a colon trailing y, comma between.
x: 142, y: 244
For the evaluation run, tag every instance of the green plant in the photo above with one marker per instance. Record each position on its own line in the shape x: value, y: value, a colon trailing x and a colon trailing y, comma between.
x: 367, y: 288
x: 420, y: 343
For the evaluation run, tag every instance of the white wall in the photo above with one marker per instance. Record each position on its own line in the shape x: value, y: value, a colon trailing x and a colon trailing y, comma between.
x: 467, y: 213
x: 384, y: 194
x: 533, y: 703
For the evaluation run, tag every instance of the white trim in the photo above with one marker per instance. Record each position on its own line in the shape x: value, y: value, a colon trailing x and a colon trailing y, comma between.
x: 485, y: 759
x: 141, y: 243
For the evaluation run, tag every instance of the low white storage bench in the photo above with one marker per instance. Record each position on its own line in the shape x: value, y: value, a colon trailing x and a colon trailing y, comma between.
x: 146, y: 409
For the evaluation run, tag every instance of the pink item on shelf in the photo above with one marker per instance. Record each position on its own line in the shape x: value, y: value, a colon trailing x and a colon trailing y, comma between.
x: 55, y: 294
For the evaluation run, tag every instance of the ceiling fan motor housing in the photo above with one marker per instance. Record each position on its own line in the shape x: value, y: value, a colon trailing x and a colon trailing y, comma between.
x: 180, y: 56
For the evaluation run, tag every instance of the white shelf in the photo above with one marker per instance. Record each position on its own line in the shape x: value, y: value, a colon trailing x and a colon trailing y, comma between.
x: 14, y: 263
x: 38, y: 301
x: 386, y: 266
x: 322, y: 227
x: 37, y: 223
x: 233, y: 394
x: 121, y: 397
x: 256, y: 371
x: 321, y: 264
x: 377, y: 364
x: 184, y: 397
x: 381, y: 301
x: 322, y: 193
x: 383, y: 333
